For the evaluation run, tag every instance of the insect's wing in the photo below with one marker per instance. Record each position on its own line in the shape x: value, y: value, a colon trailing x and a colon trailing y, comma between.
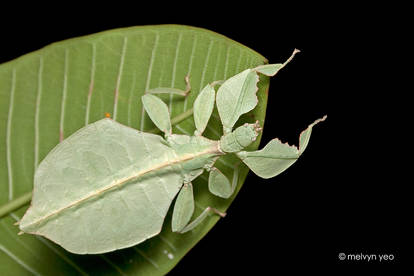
x: 276, y: 157
x: 203, y: 107
x: 84, y: 197
x: 237, y: 96
x: 158, y: 112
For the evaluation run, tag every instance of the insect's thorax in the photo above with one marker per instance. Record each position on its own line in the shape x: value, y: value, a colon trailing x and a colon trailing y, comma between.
x: 199, y: 152
x: 240, y: 138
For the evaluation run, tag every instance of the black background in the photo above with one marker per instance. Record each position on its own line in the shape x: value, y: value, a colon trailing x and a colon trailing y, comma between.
x: 347, y: 192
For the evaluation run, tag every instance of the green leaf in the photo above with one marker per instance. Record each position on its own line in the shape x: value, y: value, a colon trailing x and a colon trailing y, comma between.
x: 47, y: 95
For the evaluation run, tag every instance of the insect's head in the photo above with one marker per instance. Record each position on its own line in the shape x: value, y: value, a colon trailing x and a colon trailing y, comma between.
x: 247, y: 133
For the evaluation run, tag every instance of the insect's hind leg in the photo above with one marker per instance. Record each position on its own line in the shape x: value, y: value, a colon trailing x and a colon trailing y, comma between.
x: 184, y: 209
x: 200, y: 218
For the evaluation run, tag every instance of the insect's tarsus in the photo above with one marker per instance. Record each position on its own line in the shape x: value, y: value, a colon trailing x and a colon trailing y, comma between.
x: 188, y: 85
x: 214, y: 210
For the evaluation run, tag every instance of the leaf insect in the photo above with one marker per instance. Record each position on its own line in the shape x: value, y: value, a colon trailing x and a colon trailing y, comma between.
x: 109, y: 186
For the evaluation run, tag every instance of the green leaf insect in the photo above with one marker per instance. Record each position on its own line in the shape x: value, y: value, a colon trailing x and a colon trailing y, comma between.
x: 109, y: 186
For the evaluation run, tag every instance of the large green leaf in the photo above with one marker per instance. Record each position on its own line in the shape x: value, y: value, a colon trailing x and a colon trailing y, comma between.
x: 47, y: 95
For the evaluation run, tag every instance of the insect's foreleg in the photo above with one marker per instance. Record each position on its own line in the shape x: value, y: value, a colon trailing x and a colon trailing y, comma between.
x: 169, y: 90
x: 276, y: 156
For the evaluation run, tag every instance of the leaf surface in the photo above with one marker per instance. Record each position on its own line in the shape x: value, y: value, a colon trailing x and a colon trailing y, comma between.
x: 47, y: 95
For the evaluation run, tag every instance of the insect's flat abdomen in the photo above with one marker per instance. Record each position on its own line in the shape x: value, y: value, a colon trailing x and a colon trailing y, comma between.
x: 105, y: 176
x: 127, y: 217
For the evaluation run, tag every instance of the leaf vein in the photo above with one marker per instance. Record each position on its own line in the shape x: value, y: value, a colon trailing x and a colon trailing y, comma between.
x: 131, y: 93
x: 91, y: 83
x: 147, y: 84
x: 64, y: 95
x: 164, y: 240
x: 239, y: 61
x: 113, y: 265
x: 148, y: 259
x: 182, y: 130
x: 37, y: 112
x: 226, y: 62
x: 206, y: 63
x: 177, y: 50
x: 19, y: 261
x: 8, y: 134
x: 190, y: 65
x: 118, y: 80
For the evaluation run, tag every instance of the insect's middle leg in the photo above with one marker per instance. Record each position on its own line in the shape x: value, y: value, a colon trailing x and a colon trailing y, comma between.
x: 184, y: 209
x: 169, y: 90
x: 159, y: 112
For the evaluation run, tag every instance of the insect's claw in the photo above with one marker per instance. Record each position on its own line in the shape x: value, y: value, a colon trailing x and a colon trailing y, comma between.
x: 188, y: 85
